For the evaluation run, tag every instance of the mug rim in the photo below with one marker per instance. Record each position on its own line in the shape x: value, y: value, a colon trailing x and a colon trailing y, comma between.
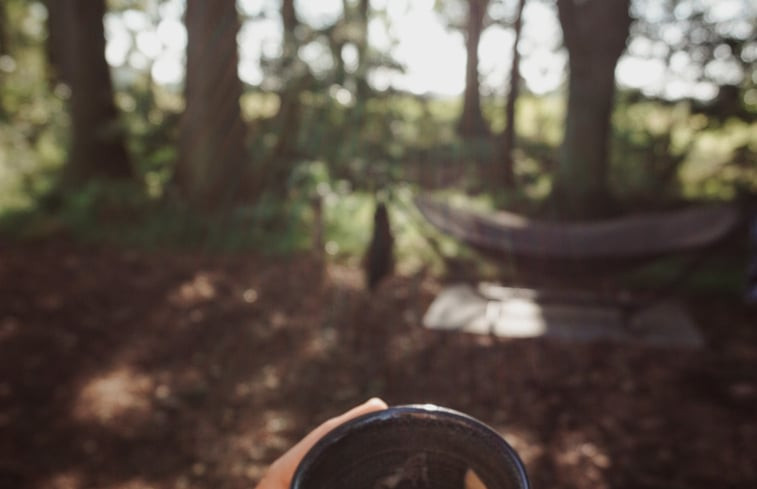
x: 391, y: 412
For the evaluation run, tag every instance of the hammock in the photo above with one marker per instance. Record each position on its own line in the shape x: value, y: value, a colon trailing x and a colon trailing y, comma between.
x: 616, y: 240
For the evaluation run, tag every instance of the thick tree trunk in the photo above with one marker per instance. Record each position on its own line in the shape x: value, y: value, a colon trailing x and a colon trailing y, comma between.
x: 98, y: 148
x: 213, y: 168
x: 595, y: 33
x: 508, y: 136
x: 472, y: 121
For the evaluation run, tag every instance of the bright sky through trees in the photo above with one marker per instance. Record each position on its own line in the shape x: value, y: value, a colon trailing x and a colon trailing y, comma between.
x: 415, y: 35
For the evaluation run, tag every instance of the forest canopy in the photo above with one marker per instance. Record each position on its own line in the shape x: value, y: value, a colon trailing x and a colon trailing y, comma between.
x: 143, y: 109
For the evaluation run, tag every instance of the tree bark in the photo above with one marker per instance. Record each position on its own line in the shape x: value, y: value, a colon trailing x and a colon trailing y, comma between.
x: 59, y: 22
x: 290, y: 89
x: 98, y: 148
x: 508, y: 136
x: 4, y: 48
x: 213, y: 169
x: 595, y: 33
x: 361, y: 76
x: 472, y: 121
x: 287, y: 119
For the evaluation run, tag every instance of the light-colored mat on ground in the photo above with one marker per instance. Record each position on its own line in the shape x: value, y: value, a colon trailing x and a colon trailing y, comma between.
x: 518, y: 313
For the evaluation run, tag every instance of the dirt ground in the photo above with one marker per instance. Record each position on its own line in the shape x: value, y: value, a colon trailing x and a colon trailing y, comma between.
x: 130, y: 370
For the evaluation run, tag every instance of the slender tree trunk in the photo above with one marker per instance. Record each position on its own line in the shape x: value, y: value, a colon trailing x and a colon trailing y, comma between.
x: 4, y: 48
x: 472, y: 121
x: 98, y: 148
x: 290, y: 90
x: 595, y: 33
x: 508, y: 137
x: 361, y: 76
x: 4, y: 51
x: 287, y: 120
x: 335, y: 35
x: 290, y: 23
x: 60, y: 19
x: 213, y: 168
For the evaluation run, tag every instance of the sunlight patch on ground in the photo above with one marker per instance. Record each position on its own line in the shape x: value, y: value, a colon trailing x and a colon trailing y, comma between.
x: 116, y: 393
x: 576, y: 454
x: 319, y: 345
x: 267, y: 379
x: 255, y: 450
x: 276, y: 421
x: 524, y: 443
x: 584, y: 452
x: 199, y: 289
x: 64, y: 480
x: 132, y: 484
x: 256, y: 446
x: 347, y: 277
x: 250, y: 296
x: 270, y: 377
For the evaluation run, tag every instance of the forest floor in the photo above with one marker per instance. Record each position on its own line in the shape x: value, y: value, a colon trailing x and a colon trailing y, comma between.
x: 134, y: 370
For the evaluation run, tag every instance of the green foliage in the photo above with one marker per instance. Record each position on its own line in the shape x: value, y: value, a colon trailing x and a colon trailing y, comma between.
x: 650, y: 144
x: 664, y: 153
x: 151, y: 116
x: 723, y: 162
x: 32, y: 119
x: 124, y: 214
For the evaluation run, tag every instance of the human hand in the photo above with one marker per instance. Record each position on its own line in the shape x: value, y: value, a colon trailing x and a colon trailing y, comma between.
x: 280, y: 473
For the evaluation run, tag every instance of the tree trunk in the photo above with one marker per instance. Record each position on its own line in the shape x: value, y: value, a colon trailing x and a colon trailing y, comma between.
x: 472, y: 121
x: 4, y: 49
x: 361, y: 76
x: 595, y: 33
x: 59, y: 22
x: 290, y: 90
x: 336, y: 39
x: 213, y: 168
x: 98, y: 148
x: 287, y: 119
x: 508, y: 137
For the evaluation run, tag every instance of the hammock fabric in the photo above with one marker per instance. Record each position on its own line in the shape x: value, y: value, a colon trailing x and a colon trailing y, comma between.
x: 627, y: 238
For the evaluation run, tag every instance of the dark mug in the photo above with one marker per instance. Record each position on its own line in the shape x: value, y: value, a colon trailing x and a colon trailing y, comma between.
x: 418, y: 447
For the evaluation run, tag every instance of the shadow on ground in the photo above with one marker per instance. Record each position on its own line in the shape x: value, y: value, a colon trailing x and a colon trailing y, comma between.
x: 130, y: 370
